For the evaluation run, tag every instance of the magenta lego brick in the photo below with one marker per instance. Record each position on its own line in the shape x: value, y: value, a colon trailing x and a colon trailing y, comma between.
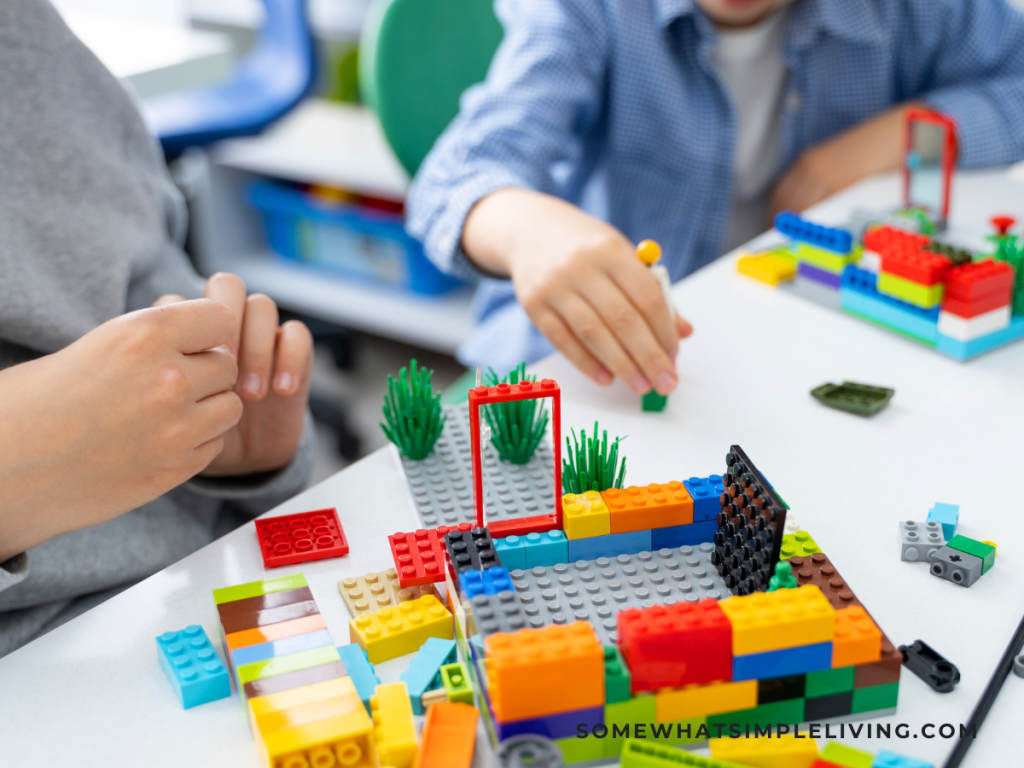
x: 818, y: 275
x: 557, y: 726
x: 691, y: 534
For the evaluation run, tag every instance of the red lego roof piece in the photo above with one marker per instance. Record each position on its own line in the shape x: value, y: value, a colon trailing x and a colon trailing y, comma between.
x: 970, y: 282
x: 291, y: 539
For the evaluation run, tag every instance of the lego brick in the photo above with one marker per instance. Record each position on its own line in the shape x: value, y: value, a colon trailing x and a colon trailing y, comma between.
x: 827, y: 682
x: 639, y: 753
x: 359, y: 668
x: 817, y: 708
x: 947, y: 516
x: 771, y: 268
x: 192, y: 666
x: 455, y: 680
x: 889, y: 316
x: 965, y: 350
x: 824, y: 277
x: 887, y: 759
x: 559, y: 725
x: 424, y: 671
x: 824, y: 261
x: 782, y: 751
x: 787, y: 661
x: 965, y: 330
x: 393, y: 632
x: 449, y: 736
x: 577, y: 750
x: 799, y: 544
x: 888, y: 239
x: 857, y: 639
x: 511, y: 551
x: 283, y: 647
x: 930, y: 665
x: 624, y: 714
x: 773, y: 714
x: 243, y: 621
x: 683, y: 535
x: 971, y: 309
x: 653, y: 402
x: 818, y: 570
x: 918, y: 266
x: 861, y: 399
x: 280, y: 665
x: 641, y: 508
x: 236, y: 640
x: 830, y: 238
x: 566, y: 663
x: 678, y: 732
x: 419, y: 557
x: 846, y: 756
x: 608, y: 546
x: 585, y: 515
x: 674, y: 645
x: 781, y: 688
x: 782, y: 619
x: 980, y: 278
x: 705, y: 492
x: 870, y: 261
x: 882, y: 672
x: 291, y: 539
x: 488, y: 582
x: 256, y: 588
x: 503, y: 612
x: 979, y: 549
x: 702, y: 700
x: 919, y: 540
x: 394, y: 728
x: 348, y: 739
x: 471, y: 550
x: 264, y: 602
x: 950, y: 564
x: 616, y: 676
x: 296, y: 697
x: 346, y: 706
x: 373, y: 591
x: 875, y: 697
x: 546, y: 548
x: 297, y: 679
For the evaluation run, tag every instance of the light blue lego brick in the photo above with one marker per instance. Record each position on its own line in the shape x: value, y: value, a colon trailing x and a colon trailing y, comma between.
x: 282, y: 647
x: 424, y: 672
x: 192, y: 667
x: 922, y: 329
x: 887, y: 759
x: 947, y: 516
x: 965, y: 350
x: 683, y: 535
x: 359, y: 668
x: 511, y: 551
x: 547, y: 548
x: 489, y: 582
x: 705, y: 492
x: 612, y: 545
x: 782, y: 663
x: 866, y: 284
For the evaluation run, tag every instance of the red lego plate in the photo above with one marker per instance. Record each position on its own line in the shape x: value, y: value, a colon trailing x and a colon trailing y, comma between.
x: 292, y: 539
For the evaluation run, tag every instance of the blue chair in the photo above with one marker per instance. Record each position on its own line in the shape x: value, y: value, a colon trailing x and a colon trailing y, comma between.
x: 272, y: 79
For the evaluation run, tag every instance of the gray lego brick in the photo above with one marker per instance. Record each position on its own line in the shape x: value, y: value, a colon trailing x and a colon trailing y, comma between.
x: 955, y: 566
x: 503, y: 612
x: 813, y: 291
x: 919, y: 540
x: 442, y: 484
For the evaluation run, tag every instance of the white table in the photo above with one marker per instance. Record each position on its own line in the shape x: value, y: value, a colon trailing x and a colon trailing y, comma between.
x: 954, y: 432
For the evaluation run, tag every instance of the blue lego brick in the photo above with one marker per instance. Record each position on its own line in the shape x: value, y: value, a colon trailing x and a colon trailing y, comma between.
x: 424, y: 672
x: 359, y: 668
x: 282, y: 647
x: 965, y: 350
x: 782, y: 663
x: 864, y: 282
x: 512, y: 552
x: 873, y: 308
x: 830, y: 238
x: 489, y: 582
x: 683, y: 535
x: 612, y: 545
x: 705, y: 492
x: 945, y: 515
x: 548, y: 548
x: 887, y: 759
x: 558, y: 726
x: 192, y: 666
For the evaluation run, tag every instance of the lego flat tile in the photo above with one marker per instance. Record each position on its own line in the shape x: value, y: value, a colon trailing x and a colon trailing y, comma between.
x: 692, y: 535
x: 297, y: 679
x: 969, y: 329
x: 887, y: 759
x: 689, y: 701
x: 791, y: 711
x: 799, y: 544
x: 283, y: 647
x: 919, y: 540
x: 924, y: 296
x: 818, y: 570
x: 193, y: 668
x: 960, y: 568
x: 424, y: 671
x: 857, y: 639
x: 577, y: 750
x: 347, y: 738
x: 979, y: 549
x: 861, y: 399
x: 781, y: 688
x: 947, y: 516
x: 393, y: 725
x: 825, y: 277
x: 256, y: 588
x: 787, y: 661
x: 487, y: 582
x: 771, y: 268
x: 829, y: 681
x: 449, y: 736
x: 240, y: 622
x: 280, y: 665
x: 511, y: 551
x: 455, y: 680
x: 560, y: 725
x: 364, y: 676
x: 306, y: 536
x: 882, y: 672
x: 817, y: 708
x: 705, y: 492
x: 264, y: 602
x: 888, y: 315
x: 585, y: 515
x: 471, y: 549
x: 769, y: 621
x: 609, y: 546
x: 782, y: 751
x: 846, y: 756
x: 419, y: 556
x: 236, y: 640
x: 295, y: 697
x: 616, y: 676
x: 548, y: 548
x: 965, y: 350
x: 394, y: 632
x: 876, y: 697
x: 656, y: 505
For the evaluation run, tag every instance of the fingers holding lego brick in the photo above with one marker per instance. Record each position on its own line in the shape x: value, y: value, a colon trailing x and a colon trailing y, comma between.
x: 258, y: 343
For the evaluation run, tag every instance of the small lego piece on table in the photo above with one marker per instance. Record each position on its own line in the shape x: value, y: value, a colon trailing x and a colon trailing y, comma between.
x: 192, y: 666
x: 449, y: 736
x: 393, y: 725
x: 919, y: 540
x: 771, y: 267
x: 456, y: 683
x: 931, y: 666
x: 291, y: 539
x: 1018, y: 666
x: 653, y: 402
x: 947, y: 516
x: 986, y: 552
x: 961, y: 568
x: 424, y: 671
x: 529, y: 752
x: 783, y: 751
x: 861, y: 399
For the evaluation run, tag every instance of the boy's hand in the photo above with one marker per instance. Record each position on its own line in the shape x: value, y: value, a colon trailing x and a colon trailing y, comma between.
x: 274, y: 364
x: 581, y: 284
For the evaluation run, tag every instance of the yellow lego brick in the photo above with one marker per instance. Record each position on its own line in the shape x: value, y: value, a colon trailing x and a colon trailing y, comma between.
x: 689, y: 701
x: 341, y: 740
x: 641, y: 508
x: 925, y: 296
x: 856, y: 639
x: 830, y: 261
x: 393, y: 725
x: 772, y: 267
x: 396, y: 631
x: 296, y: 697
x: 785, y: 751
x: 585, y: 515
x: 311, y: 712
x: 770, y: 621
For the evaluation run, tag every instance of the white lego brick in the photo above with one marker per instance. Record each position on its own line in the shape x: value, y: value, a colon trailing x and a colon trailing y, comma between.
x: 968, y: 329
x: 870, y: 261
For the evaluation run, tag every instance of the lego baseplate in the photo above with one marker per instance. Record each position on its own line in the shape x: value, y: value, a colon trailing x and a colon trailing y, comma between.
x: 442, y: 484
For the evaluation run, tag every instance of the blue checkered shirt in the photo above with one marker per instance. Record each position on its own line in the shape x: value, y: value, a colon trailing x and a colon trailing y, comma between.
x: 615, y: 105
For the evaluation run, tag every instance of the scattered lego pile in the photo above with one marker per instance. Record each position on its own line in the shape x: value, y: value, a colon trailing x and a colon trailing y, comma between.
x: 952, y: 557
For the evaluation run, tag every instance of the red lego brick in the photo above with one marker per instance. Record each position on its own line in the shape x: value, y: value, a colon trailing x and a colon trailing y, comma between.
x: 292, y: 539
x: 970, y: 282
x: 420, y: 557
x: 969, y: 309
x: 670, y: 646
x: 922, y: 267
x: 819, y: 763
x: 883, y: 240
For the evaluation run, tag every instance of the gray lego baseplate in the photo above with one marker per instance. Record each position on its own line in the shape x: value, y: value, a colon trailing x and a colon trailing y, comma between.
x: 442, y: 484
x: 919, y: 540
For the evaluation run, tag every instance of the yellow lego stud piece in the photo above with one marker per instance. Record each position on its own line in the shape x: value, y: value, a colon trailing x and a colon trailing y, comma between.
x: 771, y: 268
x: 856, y: 639
x: 393, y: 725
x: 770, y: 621
x: 641, y: 508
x: 698, y: 700
x: 319, y: 736
x: 785, y: 751
x: 585, y: 515
x: 648, y: 252
x: 393, y: 632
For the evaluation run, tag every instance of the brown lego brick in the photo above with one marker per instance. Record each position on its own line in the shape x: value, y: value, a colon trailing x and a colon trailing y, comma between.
x: 242, y: 621
x: 817, y: 569
x: 882, y: 672
x: 373, y: 591
x: 264, y: 602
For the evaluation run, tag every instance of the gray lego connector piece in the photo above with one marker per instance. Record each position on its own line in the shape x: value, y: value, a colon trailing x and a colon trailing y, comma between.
x: 1018, y: 666
x: 919, y: 540
x: 529, y: 751
x: 953, y: 565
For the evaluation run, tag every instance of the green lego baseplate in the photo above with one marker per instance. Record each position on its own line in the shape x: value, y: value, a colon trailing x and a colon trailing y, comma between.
x: 862, y: 399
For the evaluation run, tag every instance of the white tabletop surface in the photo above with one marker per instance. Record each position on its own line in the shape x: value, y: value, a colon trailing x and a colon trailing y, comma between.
x: 954, y: 432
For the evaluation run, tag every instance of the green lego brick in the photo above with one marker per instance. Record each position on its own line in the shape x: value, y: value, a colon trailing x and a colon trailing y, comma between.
x: 847, y: 757
x: 654, y: 402
x: 616, y: 676
x: 829, y: 681
x: 924, y: 296
x: 862, y: 399
x: 257, y: 588
x: 640, y: 753
x: 455, y: 679
x: 675, y: 733
x: 875, y: 697
x: 986, y: 552
x: 830, y: 261
x: 790, y: 711
x: 799, y: 544
x: 892, y: 328
x: 639, y: 709
x: 290, y: 663
x: 576, y: 750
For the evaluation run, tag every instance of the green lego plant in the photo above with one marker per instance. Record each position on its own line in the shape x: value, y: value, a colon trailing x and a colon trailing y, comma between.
x: 413, y: 418
x: 592, y: 464
x: 1011, y: 250
x: 517, y: 427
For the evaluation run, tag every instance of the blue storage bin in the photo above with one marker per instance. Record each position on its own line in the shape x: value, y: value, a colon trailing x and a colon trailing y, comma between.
x: 360, y: 243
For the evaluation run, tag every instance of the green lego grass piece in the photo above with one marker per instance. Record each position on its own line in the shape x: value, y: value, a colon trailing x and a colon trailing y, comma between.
x: 799, y: 544
x: 986, y: 552
x: 875, y: 697
x: 257, y: 588
x: 517, y: 427
x: 639, y: 709
x: 653, y: 402
x: 279, y: 665
x: 924, y: 296
x: 592, y: 464
x: 455, y: 680
x: 577, y: 750
x: 829, y: 681
x: 788, y: 711
x: 847, y: 757
x: 413, y: 418
x: 891, y: 328
x: 862, y: 399
x: 616, y: 676
x: 640, y: 753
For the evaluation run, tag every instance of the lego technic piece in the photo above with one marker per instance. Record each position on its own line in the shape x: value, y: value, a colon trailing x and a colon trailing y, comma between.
x: 830, y: 280
x: 861, y: 399
x: 977, y: 327
x: 929, y: 665
x: 782, y: 619
x: 424, y: 671
x: 394, y: 728
x: 449, y: 736
x: 412, y: 412
x: 393, y: 632
x: 560, y: 725
x: 297, y: 679
x: 705, y: 492
x: 818, y: 570
x: 489, y: 582
x: 291, y: 539
x: 511, y: 552
x: 419, y: 556
x: 857, y: 640
x: 653, y: 402
x: 799, y: 544
x: 673, y: 704
x: 691, y: 535
x: 609, y: 546
x: 987, y: 552
x: 830, y: 238
x: 192, y: 666
x: 846, y: 756
x: 641, y: 508
x: 471, y: 549
x: 783, y: 578
x: 257, y: 588
x: 546, y: 548
x: 950, y: 564
x: 919, y: 540
x: 640, y: 753
x: 616, y: 676
x: 359, y: 668
x: 771, y: 267
x: 455, y: 680
x: 529, y: 752
x: 585, y: 515
x: 887, y: 759
x: 783, y: 751
x: 965, y: 350
x: 503, y: 612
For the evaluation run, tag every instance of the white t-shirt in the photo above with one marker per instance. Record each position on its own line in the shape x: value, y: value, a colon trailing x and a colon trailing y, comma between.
x: 749, y: 61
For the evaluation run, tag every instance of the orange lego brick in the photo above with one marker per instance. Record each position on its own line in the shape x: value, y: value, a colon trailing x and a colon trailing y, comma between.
x: 640, y: 508
x: 535, y: 672
x: 786, y: 618
x: 856, y: 640
x: 449, y: 735
x: 277, y: 631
